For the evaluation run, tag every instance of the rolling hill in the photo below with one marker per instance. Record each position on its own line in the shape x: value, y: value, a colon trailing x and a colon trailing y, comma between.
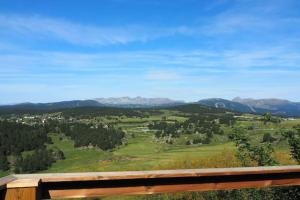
x: 279, y: 107
x: 138, y: 102
x: 226, y: 104
x: 274, y: 106
x: 257, y: 106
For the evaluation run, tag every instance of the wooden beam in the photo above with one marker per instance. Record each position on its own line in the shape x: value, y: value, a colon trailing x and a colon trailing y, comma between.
x: 79, y: 189
x: 94, y: 176
x: 79, y: 185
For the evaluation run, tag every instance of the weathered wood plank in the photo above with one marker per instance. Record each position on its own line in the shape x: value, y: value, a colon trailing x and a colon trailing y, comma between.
x: 29, y: 193
x: 21, y: 183
x: 142, y: 190
x: 78, y: 189
x: 5, y: 180
x: 64, y: 177
x: 78, y: 185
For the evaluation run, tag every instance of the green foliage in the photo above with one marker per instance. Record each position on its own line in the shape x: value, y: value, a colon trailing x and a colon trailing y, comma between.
x: 41, y: 159
x: 197, y: 109
x: 58, y: 154
x: 268, y: 138
x: 16, y: 138
x: 197, y: 125
x: 205, y: 140
x: 205, y: 125
x: 86, y: 111
x: 4, y: 165
x: 103, y: 136
x: 209, y: 125
x: 294, y: 142
x: 165, y: 129
x: 243, y: 194
x: 89, y: 112
x: 247, y: 152
x: 263, y: 155
x: 267, y: 117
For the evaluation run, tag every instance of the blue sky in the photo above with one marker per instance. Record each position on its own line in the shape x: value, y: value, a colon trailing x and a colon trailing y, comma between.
x: 54, y: 50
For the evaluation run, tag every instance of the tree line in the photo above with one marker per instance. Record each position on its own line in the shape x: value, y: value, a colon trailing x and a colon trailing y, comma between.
x: 40, y: 159
x: 205, y: 125
x: 16, y: 138
x: 105, y: 137
x: 102, y: 136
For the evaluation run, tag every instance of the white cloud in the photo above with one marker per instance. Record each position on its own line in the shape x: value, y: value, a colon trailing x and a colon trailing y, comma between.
x: 159, y: 65
x: 39, y: 27
x: 222, y: 24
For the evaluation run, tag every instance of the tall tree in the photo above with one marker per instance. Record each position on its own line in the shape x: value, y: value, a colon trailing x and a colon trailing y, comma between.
x: 267, y: 117
x: 4, y: 165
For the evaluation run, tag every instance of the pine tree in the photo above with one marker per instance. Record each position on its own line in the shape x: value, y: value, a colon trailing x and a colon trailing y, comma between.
x: 4, y: 165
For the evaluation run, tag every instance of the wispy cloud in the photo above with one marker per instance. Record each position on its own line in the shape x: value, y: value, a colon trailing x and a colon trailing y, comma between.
x: 40, y: 27
x: 228, y: 22
x: 191, y: 74
x: 159, y: 64
x: 248, y: 17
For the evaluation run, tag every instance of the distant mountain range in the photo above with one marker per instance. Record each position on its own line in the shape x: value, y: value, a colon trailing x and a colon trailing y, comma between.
x: 275, y: 106
x: 122, y: 102
x: 53, y: 106
x: 138, y: 102
x: 227, y: 104
x: 256, y: 106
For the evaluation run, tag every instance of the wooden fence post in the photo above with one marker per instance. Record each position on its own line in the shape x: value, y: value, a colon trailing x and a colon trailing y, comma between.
x: 24, y: 189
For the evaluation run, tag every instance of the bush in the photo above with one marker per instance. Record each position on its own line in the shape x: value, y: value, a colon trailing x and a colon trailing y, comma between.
x: 41, y: 159
x: 294, y: 142
x: 268, y: 138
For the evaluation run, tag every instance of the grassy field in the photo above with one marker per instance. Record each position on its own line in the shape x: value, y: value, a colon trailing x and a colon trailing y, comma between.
x: 142, y: 152
x: 2, y: 173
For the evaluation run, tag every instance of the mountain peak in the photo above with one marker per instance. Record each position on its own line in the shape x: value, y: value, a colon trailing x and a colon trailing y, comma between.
x: 256, y: 102
x: 137, y: 101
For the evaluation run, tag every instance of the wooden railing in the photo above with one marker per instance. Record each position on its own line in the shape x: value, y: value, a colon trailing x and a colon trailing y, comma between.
x: 79, y: 185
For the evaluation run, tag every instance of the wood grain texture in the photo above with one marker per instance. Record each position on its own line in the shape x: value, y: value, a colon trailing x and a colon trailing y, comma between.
x: 142, y: 190
x: 20, y: 183
x: 5, y: 180
x: 79, y: 185
x: 21, y: 194
x: 65, y: 177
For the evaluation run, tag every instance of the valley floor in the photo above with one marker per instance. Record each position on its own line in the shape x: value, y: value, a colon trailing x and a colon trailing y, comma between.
x: 142, y: 152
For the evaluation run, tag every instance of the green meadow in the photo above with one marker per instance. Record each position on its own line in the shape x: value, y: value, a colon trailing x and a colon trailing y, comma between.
x: 143, y: 152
